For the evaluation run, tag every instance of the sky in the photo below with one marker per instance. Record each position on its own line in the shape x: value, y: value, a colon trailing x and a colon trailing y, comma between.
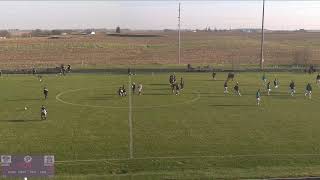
x: 279, y: 15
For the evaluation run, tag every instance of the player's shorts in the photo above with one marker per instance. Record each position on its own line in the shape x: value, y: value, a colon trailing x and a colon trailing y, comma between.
x: 258, y: 99
x: 269, y: 89
x: 44, y: 113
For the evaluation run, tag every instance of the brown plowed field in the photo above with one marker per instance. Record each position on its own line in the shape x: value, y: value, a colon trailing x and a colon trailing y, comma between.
x: 197, y: 48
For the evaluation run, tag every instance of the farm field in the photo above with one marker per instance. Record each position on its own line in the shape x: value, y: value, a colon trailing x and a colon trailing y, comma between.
x: 199, y: 134
x: 200, y: 48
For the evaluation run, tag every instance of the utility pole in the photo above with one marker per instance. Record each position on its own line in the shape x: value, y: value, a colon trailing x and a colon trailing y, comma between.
x: 262, y: 39
x: 179, y: 32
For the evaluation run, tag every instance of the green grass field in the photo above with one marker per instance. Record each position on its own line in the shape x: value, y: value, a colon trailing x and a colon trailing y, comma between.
x: 199, y: 134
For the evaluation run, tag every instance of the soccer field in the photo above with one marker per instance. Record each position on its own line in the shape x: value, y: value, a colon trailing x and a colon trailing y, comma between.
x: 199, y: 134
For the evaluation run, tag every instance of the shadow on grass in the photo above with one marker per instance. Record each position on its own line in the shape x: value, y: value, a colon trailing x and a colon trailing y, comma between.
x: 98, y: 98
x: 164, y: 89
x: 26, y: 99
x: 233, y: 105
x: 21, y: 120
x: 157, y: 94
x: 158, y: 84
x: 213, y: 80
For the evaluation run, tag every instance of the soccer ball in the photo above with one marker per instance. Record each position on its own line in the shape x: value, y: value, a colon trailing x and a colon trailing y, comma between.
x: 25, y: 108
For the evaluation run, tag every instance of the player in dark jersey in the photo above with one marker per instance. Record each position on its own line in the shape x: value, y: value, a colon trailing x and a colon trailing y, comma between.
x: 177, y: 88
x: 214, y: 75
x: 318, y: 79
x: 225, y: 87
x: 170, y: 79
x: 62, y: 70
x: 34, y: 71
x: 133, y: 87
x: 69, y: 68
x: 43, y: 113
x: 292, y: 87
x: 276, y: 83
x: 120, y: 91
x: 237, y: 89
x: 45, y: 92
x: 181, y: 83
x: 124, y: 92
x: 258, y: 97
x: 264, y: 78
x: 140, y: 89
x: 308, y: 90
x: 268, y: 88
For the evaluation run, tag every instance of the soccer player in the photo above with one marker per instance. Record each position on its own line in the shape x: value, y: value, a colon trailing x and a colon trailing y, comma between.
x: 62, y: 70
x: 45, y: 92
x: 171, y: 79
x: 318, y: 79
x: 258, y: 96
x: 120, y: 91
x: 177, y: 89
x: 181, y: 83
x: 69, y: 68
x: 34, y: 71
x: 268, y: 88
x: 140, y: 89
x: 276, y: 83
x: 173, y: 85
x: 133, y: 86
x: 292, y: 87
x: 174, y: 78
x: 124, y: 92
x: 40, y: 78
x: 43, y: 112
x: 225, y: 87
x: 237, y: 89
x: 214, y: 75
x: 264, y: 78
x: 308, y: 90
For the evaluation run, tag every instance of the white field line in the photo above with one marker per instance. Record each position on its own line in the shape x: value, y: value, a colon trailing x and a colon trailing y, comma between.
x: 58, y: 98
x: 130, y: 120
x: 186, y: 157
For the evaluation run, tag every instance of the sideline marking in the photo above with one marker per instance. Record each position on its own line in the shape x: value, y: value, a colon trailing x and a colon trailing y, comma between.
x: 58, y: 98
x: 130, y: 120
x: 184, y: 157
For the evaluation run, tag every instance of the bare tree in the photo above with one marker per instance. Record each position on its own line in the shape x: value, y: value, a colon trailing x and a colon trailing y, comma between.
x: 4, y: 33
x: 118, y: 29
